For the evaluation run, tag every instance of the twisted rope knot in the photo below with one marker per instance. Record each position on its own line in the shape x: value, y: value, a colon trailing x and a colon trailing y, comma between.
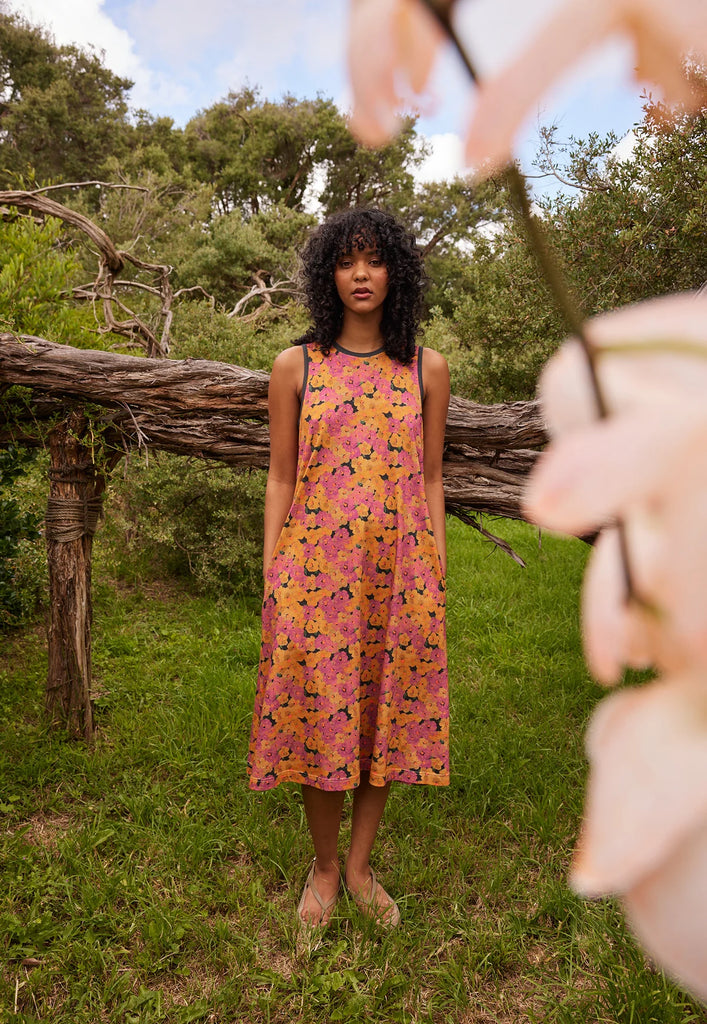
x: 72, y: 518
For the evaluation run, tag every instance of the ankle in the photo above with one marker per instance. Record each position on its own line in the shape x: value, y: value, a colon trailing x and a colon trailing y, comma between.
x: 328, y: 869
x: 357, y: 872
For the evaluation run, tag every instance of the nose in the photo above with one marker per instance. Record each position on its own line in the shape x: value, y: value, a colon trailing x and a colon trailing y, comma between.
x: 360, y: 271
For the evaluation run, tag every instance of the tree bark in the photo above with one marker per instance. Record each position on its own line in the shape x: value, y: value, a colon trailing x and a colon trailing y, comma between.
x: 72, y: 512
x: 205, y: 409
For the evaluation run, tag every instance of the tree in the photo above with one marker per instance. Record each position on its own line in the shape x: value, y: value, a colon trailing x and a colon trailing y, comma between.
x: 630, y: 229
x: 62, y: 111
x: 257, y: 153
x: 234, y: 252
x: 634, y: 228
x: 357, y: 176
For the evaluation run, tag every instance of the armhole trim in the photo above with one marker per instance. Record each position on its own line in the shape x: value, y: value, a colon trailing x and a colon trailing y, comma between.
x: 420, y: 350
x: 305, y: 377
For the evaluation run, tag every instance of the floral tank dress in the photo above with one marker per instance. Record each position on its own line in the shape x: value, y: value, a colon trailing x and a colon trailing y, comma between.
x: 353, y: 665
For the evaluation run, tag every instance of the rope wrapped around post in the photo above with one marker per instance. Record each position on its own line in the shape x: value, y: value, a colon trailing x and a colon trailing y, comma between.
x: 67, y: 518
x: 72, y: 518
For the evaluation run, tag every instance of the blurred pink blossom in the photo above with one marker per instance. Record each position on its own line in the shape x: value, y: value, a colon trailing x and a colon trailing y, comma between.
x: 644, y: 464
x: 644, y: 834
x: 662, y: 33
x: 392, y: 48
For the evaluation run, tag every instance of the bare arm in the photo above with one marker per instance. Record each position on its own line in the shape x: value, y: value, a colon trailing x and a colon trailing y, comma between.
x: 435, y: 380
x: 284, y: 408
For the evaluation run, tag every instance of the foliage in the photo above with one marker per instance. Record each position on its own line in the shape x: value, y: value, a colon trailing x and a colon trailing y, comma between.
x: 358, y: 176
x: 35, y: 272
x: 233, y: 250
x: 196, y: 520
x: 256, y: 153
x: 21, y: 572
x: 201, y: 333
x: 505, y: 320
x: 63, y: 112
x: 640, y: 235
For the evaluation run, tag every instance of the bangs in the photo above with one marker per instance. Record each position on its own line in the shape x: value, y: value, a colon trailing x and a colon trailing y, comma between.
x: 359, y: 235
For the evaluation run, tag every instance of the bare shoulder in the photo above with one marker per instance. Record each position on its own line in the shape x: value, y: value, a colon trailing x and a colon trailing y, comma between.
x: 289, y: 359
x: 287, y: 367
x: 435, y: 371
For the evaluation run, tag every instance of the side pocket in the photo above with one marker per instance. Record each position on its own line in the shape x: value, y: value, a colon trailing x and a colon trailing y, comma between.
x: 268, y: 576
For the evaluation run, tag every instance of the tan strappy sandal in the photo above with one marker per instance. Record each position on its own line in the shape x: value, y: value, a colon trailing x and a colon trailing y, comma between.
x: 313, y: 926
x: 385, y: 915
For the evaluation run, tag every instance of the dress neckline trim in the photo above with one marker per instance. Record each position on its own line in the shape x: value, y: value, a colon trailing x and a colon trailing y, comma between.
x: 359, y: 355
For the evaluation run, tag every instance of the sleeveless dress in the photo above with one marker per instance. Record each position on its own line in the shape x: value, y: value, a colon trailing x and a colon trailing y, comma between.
x: 353, y: 666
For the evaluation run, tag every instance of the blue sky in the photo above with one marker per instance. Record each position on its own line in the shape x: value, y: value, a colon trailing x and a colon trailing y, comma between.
x: 183, y: 56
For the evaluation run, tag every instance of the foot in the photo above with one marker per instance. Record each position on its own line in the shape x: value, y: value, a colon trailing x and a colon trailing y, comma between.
x: 371, y: 898
x: 319, y: 896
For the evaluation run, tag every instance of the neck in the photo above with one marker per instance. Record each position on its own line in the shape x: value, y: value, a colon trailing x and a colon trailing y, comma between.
x: 361, y: 333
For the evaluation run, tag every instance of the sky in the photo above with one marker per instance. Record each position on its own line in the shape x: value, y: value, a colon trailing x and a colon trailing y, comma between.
x: 184, y: 56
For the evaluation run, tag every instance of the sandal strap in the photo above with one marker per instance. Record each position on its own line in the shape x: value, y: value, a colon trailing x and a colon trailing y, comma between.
x: 317, y: 895
x: 369, y: 904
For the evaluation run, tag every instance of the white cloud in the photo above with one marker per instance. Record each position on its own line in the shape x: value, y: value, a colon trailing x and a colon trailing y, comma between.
x: 85, y: 23
x: 623, y: 150
x: 445, y: 160
x: 261, y: 43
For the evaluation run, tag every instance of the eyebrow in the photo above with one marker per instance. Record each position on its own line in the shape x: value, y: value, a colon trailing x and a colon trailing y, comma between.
x: 368, y: 252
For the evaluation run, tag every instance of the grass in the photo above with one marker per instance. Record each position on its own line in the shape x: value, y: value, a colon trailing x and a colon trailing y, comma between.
x: 142, y: 882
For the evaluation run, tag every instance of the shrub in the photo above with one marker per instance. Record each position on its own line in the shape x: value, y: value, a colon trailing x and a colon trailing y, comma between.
x: 22, y: 559
x: 178, y: 517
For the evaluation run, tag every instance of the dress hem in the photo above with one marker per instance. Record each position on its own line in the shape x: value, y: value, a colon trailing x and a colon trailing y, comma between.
x: 342, y: 785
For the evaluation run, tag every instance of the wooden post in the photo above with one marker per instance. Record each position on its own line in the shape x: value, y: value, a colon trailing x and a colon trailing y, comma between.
x: 72, y: 515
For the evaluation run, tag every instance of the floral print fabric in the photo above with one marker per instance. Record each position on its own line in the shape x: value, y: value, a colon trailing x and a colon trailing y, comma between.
x: 353, y: 668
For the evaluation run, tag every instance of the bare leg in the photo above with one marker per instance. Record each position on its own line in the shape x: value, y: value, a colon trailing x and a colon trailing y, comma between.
x: 368, y: 806
x: 323, y: 811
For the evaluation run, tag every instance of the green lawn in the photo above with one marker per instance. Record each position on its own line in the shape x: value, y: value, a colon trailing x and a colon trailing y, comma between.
x: 142, y: 882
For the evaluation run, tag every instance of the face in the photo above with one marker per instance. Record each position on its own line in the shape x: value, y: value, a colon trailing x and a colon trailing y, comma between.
x: 361, y: 279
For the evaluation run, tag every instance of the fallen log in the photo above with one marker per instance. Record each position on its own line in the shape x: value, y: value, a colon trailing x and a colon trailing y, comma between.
x: 210, y: 410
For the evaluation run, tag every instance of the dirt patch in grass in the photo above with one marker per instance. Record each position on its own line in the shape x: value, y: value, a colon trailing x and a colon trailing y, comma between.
x: 510, y: 1003
x: 155, y: 589
x: 46, y: 830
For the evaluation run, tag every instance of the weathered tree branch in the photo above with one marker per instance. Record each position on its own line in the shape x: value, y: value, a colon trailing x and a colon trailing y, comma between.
x: 111, y: 262
x: 264, y: 292
x: 50, y: 208
x: 214, y: 410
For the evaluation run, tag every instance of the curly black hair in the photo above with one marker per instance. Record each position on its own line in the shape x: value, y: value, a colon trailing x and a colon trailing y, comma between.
x: 341, y: 234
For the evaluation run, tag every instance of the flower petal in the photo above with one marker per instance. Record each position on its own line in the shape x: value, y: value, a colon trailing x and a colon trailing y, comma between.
x: 648, y: 354
x: 648, y: 752
x: 661, y: 33
x: 392, y: 45
x: 616, y: 632
x: 589, y: 477
x: 505, y: 100
x: 371, y: 54
x: 419, y: 36
x: 667, y: 910
x: 681, y: 583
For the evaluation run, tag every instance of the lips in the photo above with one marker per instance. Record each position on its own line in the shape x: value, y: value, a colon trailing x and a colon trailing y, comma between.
x: 363, y: 293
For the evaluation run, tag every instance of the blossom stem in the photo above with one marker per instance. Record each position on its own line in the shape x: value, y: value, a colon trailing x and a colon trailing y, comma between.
x: 441, y: 10
x: 567, y: 303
